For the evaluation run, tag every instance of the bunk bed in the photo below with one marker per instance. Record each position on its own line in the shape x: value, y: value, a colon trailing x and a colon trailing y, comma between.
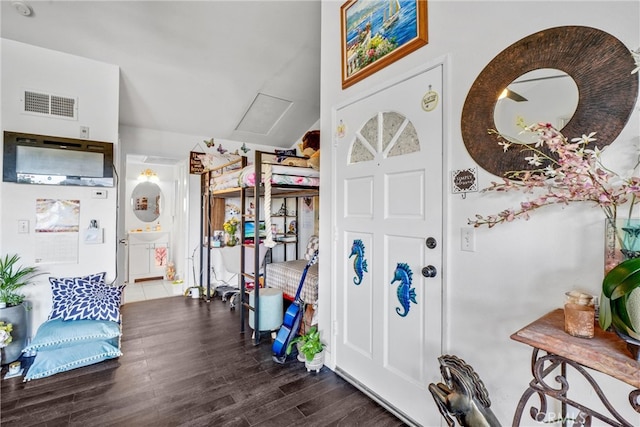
x: 270, y: 176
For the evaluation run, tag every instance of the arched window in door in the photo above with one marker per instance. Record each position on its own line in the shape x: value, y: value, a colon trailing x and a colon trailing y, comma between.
x: 387, y: 134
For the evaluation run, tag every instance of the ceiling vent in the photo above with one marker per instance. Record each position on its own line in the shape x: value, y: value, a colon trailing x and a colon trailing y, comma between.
x: 45, y: 104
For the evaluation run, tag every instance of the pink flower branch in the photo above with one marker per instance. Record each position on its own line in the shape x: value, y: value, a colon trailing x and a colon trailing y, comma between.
x: 571, y: 173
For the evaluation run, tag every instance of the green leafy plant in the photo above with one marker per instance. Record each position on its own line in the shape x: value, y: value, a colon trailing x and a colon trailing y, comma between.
x: 14, y: 277
x: 617, y: 287
x: 200, y: 289
x: 310, y: 343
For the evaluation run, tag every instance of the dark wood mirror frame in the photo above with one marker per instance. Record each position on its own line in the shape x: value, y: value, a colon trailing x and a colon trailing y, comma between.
x: 599, y: 63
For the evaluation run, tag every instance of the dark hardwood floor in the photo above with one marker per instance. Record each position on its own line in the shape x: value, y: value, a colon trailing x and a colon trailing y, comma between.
x: 185, y: 363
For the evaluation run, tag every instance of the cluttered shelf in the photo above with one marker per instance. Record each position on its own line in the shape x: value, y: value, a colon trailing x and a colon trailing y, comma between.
x: 270, y: 176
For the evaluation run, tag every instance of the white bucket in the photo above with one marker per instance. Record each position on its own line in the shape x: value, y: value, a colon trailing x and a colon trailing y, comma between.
x: 195, y: 293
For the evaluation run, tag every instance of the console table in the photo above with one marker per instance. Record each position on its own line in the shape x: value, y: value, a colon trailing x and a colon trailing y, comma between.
x: 605, y: 353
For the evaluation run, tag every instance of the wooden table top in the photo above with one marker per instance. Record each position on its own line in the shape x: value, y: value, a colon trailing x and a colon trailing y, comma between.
x: 605, y: 352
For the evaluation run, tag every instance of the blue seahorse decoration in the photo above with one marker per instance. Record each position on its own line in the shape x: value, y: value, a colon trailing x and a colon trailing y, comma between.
x: 406, y: 294
x: 359, y: 263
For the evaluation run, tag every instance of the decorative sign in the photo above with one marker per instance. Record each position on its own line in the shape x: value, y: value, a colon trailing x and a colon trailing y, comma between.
x: 195, y: 164
x: 341, y: 129
x: 430, y: 100
x: 464, y: 180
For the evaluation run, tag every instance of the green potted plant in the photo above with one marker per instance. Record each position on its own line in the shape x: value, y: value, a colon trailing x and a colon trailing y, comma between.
x: 12, y: 309
x: 195, y: 292
x: 311, y: 347
x: 620, y: 303
x: 12, y: 278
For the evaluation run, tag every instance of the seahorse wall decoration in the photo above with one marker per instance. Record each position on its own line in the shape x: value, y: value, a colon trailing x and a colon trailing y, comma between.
x: 359, y: 262
x: 406, y: 294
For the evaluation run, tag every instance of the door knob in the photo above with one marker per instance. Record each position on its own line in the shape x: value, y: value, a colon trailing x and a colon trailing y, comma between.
x: 429, y: 271
x: 431, y: 243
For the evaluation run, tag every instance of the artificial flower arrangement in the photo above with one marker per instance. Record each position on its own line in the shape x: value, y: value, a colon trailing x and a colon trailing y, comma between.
x: 5, y: 334
x: 567, y: 171
x: 230, y: 227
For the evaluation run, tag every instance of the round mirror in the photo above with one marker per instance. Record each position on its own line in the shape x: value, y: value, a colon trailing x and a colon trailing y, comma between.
x: 146, y: 200
x: 600, y: 65
x: 546, y: 95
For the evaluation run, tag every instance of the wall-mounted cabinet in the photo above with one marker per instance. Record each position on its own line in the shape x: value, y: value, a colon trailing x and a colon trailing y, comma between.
x: 148, y: 255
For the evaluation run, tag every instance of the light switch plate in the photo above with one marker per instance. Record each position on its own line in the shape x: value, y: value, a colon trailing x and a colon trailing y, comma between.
x: 23, y: 226
x: 467, y: 239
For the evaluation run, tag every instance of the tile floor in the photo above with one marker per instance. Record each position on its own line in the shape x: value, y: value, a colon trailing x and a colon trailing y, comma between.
x: 150, y: 289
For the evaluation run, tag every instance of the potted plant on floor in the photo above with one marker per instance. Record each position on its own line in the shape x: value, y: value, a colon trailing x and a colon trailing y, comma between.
x: 194, y: 292
x: 12, y: 309
x: 311, y: 347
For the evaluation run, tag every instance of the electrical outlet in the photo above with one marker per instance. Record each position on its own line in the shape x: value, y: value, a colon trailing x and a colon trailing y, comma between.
x: 99, y: 194
x: 84, y: 132
x: 467, y: 239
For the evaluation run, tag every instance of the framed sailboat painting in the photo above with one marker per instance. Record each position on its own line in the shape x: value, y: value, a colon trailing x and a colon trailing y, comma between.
x: 377, y: 33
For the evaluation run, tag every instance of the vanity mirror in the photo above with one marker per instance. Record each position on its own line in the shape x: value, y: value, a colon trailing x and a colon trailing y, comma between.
x: 146, y: 201
x: 598, y: 63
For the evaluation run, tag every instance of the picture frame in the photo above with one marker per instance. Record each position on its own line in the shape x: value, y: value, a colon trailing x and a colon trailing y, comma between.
x: 217, y: 240
x: 377, y: 33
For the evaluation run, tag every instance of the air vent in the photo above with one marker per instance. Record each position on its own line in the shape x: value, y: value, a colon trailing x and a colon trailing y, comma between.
x: 49, y: 105
x: 263, y: 114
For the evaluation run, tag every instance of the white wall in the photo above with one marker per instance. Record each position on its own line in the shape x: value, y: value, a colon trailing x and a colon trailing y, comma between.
x: 521, y: 270
x: 96, y: 86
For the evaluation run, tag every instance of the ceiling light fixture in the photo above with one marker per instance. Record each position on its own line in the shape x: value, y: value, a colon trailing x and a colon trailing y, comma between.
x: 148, y: 175
x: 22, y: 8
x: 508, y: 93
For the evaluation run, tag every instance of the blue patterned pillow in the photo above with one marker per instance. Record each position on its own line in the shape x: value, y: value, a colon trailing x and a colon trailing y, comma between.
x: 62, y: 292
x: 54, y: 361
x: 94, y: 301
x: 59, y: 333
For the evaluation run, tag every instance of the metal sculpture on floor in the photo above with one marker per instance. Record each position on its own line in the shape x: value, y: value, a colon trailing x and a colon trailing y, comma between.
x: 462, y: 395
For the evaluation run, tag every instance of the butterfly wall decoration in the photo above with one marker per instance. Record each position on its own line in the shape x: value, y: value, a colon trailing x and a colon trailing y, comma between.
x: 221, y: 150
x: 209, y: 143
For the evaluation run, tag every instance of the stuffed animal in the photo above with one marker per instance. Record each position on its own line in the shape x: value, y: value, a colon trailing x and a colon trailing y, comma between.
x: 294, y: 161
x: 313, y: 158
x: 311, y: 139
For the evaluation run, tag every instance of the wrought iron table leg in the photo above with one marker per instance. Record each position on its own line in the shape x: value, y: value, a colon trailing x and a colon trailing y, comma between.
x: 541, y: 367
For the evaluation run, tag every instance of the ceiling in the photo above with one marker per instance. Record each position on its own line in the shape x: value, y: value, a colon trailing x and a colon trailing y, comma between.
x: 192, y: 67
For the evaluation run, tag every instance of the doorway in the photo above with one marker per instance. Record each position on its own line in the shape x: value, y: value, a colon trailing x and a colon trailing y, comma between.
x: 155, y: 210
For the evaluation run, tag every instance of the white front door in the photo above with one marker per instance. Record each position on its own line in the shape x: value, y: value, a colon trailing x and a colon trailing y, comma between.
x: 388, y: 172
